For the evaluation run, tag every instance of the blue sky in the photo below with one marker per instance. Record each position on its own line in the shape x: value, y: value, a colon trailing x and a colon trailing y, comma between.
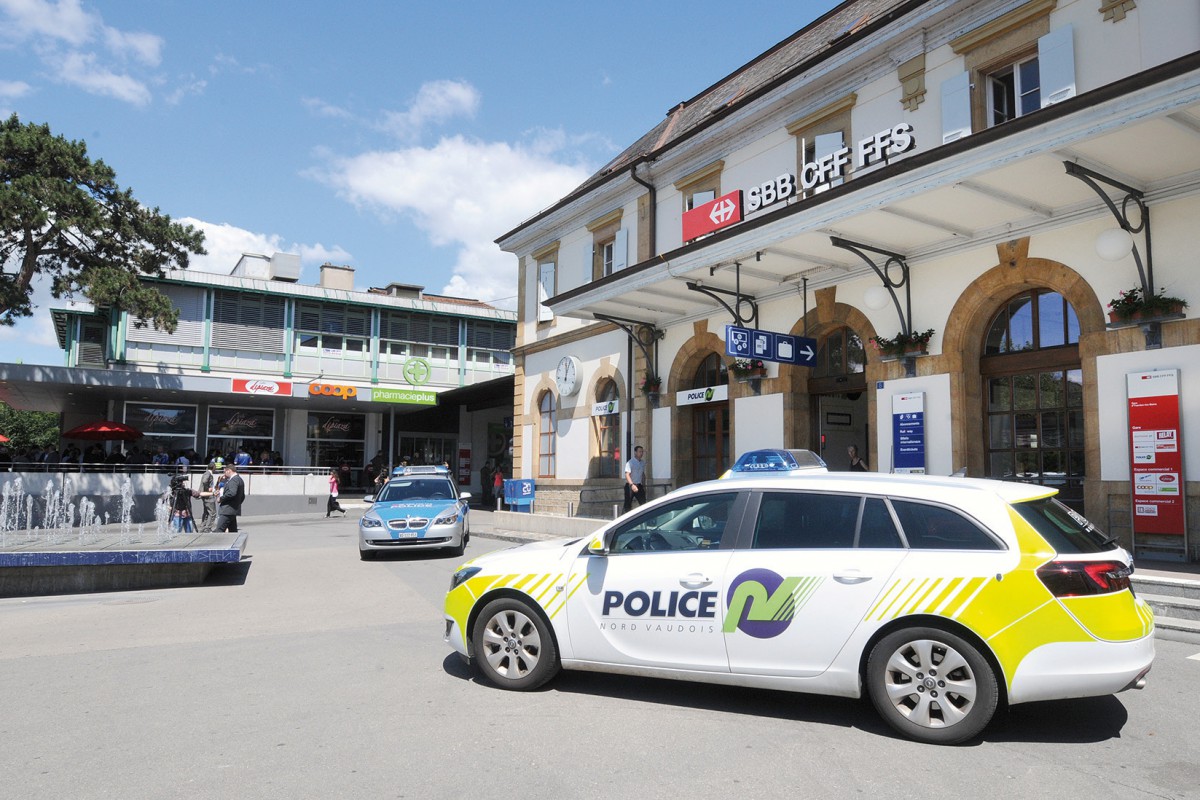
x: 398, y: 138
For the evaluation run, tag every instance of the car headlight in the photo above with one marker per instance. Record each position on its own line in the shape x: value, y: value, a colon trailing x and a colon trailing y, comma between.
x: 370, y: 521
x: 448, y: 518
x: 462, y: 576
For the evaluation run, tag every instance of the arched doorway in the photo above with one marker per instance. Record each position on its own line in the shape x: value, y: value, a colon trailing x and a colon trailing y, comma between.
x: 837, y: 389
x: 1033, y: 427
x: 607, y: 430
x: 710, y: 423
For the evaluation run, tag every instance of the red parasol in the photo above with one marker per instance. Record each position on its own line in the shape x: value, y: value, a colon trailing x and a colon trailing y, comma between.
x: 104, y: 430
x: 3, y: 438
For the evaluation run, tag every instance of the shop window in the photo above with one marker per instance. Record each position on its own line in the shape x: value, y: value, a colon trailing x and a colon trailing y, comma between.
x: 607, y: 428
x: 1033, y: 394
x: 547, y: 435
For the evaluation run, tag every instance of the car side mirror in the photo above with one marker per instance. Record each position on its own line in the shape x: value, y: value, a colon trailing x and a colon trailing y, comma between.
x: 369, y: 498
x: 597, y: 546
x: 464, y: 495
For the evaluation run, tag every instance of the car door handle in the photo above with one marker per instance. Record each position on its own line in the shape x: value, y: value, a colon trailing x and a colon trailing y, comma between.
x: 851, y: 576
x: 694, y: 581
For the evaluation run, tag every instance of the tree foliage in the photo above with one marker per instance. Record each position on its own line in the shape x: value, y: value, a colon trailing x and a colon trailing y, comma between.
x: 28, y: 428
x: 64, y: 216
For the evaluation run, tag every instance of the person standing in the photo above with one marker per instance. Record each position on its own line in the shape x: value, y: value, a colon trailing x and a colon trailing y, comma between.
x: 485, y: 484
x: 229, y: 505
x: 856, y: 463
x: 635, y: 478
x: 208, y: 498
x: 332, y: 504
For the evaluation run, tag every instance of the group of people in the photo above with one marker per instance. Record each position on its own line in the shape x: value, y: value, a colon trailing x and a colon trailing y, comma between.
x: 221, y: 492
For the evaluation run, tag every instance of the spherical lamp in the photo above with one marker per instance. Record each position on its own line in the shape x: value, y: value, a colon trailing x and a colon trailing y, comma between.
x: 877, y: 297
x: 1114, y: 244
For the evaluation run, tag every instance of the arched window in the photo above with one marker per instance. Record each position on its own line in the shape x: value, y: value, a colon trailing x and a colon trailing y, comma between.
x: 711, y: 372
x: 608, y: 432
x: 547, y: 435
x: 841, y: 353
x: 1033, y: 394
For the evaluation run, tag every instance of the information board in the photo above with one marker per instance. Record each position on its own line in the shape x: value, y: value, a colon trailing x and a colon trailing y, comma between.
x: 1156, y: 453
x: 908, y: 433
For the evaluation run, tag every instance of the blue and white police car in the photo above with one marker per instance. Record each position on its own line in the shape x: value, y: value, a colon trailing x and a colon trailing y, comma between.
x: 419, y: 508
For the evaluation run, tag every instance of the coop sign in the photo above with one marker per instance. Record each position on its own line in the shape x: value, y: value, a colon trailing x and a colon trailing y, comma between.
x: 832, y: 166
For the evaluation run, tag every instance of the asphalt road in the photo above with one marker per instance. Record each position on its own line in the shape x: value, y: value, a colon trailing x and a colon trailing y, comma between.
x: 306, y: 673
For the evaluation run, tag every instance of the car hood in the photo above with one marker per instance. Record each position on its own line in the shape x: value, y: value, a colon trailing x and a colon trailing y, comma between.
x: 549, y: 551
x: 412, y: 508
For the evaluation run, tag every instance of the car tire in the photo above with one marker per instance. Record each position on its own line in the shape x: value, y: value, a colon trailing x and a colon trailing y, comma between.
x: 931, y: 685
x: 513, y: 646
x: 460, y: 548
x: 366, y: 555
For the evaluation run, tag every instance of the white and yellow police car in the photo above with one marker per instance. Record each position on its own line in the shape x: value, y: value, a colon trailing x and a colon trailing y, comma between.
x: 941, y: 598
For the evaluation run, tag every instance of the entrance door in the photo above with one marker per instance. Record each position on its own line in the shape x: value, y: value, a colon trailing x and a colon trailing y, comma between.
x: 710, y: 441
x: 838, y: 390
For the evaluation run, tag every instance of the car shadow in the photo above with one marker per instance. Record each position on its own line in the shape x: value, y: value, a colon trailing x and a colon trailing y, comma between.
x: 1079, y: 721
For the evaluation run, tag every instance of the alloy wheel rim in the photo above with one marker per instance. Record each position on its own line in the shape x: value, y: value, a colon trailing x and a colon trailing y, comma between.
x: 930, y: 683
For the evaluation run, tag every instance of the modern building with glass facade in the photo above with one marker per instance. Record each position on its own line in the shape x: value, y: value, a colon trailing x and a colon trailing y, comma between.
x: 981, y: 178
x: 314, y: 374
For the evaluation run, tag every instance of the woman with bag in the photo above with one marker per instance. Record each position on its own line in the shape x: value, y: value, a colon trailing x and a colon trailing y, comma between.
x: 333, y: 504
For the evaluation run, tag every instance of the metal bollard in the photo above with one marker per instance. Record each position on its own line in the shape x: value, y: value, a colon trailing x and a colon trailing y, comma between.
x: 499, y: 501
x: 616, y: 510
x: 570, y: 509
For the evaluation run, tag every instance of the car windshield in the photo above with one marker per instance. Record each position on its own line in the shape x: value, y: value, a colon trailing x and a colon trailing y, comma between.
x: 1064, y: 529
x: 416, y: 489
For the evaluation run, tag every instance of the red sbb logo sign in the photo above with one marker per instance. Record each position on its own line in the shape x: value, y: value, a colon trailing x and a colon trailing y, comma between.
x: 332, y: 390
x: 259, y: 386
x: 713, y: 215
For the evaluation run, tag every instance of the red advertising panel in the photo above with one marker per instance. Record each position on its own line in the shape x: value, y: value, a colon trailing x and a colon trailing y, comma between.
x: 262, y: 386
x: 1156, y: 452
x: 713, y: 215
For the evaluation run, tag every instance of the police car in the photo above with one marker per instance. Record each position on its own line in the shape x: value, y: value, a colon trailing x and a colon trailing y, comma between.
x: 419, y: 508
x: 939, y: 598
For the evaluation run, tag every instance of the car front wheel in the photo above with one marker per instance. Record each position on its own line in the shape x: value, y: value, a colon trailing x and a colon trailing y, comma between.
x: 513, y: 645
x: 932, y: 685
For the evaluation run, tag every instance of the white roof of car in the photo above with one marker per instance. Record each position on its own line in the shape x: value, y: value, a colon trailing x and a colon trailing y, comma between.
x: 925, y: 487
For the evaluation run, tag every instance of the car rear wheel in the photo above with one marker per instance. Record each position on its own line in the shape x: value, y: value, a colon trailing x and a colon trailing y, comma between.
x: 932, y: 685
x: 514, y: 648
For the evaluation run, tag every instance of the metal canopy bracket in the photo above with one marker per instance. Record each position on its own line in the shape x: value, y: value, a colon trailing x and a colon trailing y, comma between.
x: 643, y: 334
x: 885, y: 275
x: 1151, y: 330
x: 739, y: 299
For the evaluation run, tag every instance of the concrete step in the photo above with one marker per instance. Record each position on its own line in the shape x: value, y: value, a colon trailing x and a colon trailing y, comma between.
x: 1174, y: 607
x: 1170, y: 587
x: 1175, y: 625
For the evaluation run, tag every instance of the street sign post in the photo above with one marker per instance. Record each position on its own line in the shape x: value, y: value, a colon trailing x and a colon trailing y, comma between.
x: 770, y: 346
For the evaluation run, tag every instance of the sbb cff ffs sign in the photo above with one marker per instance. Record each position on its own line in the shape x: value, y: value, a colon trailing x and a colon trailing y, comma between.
x: 713, y: 215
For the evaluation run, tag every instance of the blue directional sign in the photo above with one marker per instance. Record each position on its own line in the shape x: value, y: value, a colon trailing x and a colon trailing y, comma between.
x: 770, y: 346
x: 908, y: 432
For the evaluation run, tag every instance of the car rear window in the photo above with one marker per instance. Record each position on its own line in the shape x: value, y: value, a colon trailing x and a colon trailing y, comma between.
x: 1063, y: 528
x: 804, y: 520
x: 930, y: 527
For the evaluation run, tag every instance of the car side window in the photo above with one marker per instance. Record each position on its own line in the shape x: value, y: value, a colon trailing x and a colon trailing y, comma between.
x: 806, y: 520
x: 694, y: 523
x: 931, y: 527
x: 877, y: 529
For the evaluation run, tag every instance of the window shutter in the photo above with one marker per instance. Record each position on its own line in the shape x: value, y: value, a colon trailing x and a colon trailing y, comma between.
x: 190, y: 330
x: 823, y: 145
x: 620, y: 250
x: 248, y: 322
x: 956, y: 108
x: 593, y: 263
x: 1056, y: 62
x: 545, y: 290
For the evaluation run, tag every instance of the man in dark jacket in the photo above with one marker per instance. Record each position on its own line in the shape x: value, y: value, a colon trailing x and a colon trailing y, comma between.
x: 229, y: 505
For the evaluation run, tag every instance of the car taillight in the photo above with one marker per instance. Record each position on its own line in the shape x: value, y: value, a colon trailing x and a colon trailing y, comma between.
x: 1075, y: 578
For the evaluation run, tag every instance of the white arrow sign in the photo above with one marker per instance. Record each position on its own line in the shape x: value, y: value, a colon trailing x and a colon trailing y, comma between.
x: 722, y: 211
x: 807, y: 352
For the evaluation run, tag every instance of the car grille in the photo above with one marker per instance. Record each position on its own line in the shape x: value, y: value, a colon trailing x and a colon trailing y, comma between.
x: 404, y: 542
x: 409, y: 523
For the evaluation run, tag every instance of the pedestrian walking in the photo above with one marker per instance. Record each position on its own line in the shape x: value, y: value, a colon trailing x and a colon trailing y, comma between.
x: 332, y: 504
x: 229, y: 504
x: 635, y: 478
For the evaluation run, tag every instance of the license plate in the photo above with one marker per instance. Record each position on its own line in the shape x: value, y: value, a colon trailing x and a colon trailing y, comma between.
x: 407, y: 535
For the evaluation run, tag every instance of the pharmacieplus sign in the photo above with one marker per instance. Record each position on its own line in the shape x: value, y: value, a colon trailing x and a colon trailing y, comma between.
x: 414, y: 397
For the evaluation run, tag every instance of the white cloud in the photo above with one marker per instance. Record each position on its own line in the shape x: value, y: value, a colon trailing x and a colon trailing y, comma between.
x: 14, y: 89
x: 226, y: 243
x: 32, y: 340
x: 461, y: 193
x: 82, y: 70
x: 76, y: 46
x: 323, y: 109
x: 436, y: 102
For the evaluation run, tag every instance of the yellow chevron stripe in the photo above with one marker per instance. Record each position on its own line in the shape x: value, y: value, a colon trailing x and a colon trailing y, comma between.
x: 939, y: 603
x: 895, y: 596
x: 973, y: 588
